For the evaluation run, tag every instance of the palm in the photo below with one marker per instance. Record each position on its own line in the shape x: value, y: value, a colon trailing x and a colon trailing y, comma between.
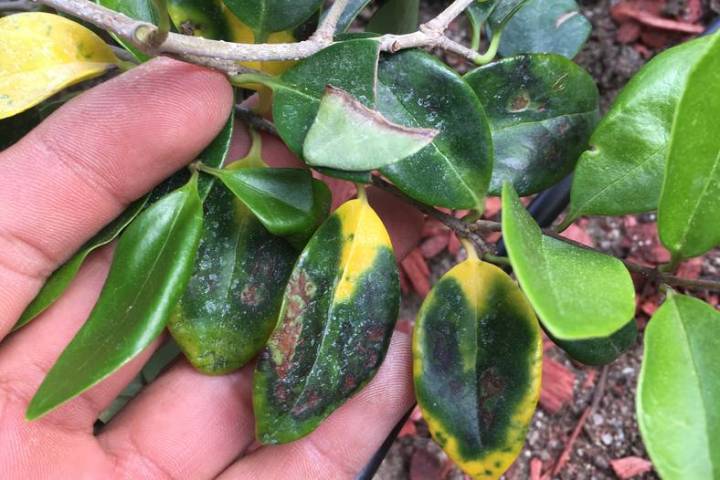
x: 78, y: 170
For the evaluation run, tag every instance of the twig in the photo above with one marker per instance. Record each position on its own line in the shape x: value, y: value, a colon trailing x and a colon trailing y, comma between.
x: 17, y: 6
x: 597, y: 396
x: 144, y: 36
x: 255, y: 120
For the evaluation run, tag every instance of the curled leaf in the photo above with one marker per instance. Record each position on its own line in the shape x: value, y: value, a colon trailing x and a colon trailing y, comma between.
x: 334, y: 327
x: 477, y: 362
x: 349, y: 136
x: 41, y: 54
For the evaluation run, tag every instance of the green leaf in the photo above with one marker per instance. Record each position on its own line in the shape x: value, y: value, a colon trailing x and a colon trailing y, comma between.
x: 542, y: 109
x: 355, y: 177
x: 58, y: 282
x: 578, y: 294
x: 151, y: 267
x: 690, y: 200
x: 349, y: 65
x: 267, y: 16
x: 351, y: 11
x: 202, y: 18
x: 281, y: 198
x: 600, y: 351
x: 546, y: 26
x: 623, y: 170
x: 497, y: 13
x: 349, y: 136
x: 139, y: 10
x: 477, y: 363
x: 417, y: 90
x: 334, y: 327
x: 679, y: 390
x: 233, y: 298
x: 215, y: 154
x: 395, y: 16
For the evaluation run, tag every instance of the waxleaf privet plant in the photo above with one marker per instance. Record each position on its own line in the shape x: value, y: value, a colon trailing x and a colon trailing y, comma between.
x: 241, y: 261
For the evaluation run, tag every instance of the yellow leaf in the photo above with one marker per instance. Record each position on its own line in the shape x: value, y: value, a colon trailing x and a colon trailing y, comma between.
x: 41, y: 54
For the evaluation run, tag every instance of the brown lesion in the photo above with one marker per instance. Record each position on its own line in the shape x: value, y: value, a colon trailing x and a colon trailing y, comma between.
x: 491, y: 385
x: 187, y: 28
x: 285, y: 340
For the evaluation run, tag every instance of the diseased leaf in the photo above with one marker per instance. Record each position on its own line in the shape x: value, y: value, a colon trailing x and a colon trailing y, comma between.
x: 233, y: 298
x: 600, y: 351
x: 415, y: 89
x: 679, y: 390
x: 41, y: 54
x: 477, y: 363
x: 395, y: 16
x: 578, y: 294
x: 546, y: 26
x: 623, y: 170
x: 281, y: 198
x: 151, y: 267
x: 349, y: 136
x: 58, y: 282
x: 542, y: 110
x: 137, y: 9
x: 334, y: 327
x: 690, y: 200
x: 267, y: 16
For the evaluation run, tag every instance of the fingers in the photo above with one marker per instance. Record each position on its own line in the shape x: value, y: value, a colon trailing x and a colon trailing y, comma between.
x: 185, y: 425
x: 345, y: 441
x: 79, y: 168
x: 27, y: 356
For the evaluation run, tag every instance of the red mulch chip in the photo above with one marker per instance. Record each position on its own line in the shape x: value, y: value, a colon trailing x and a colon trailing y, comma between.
x: 557, y: 386
x: 630, y: 467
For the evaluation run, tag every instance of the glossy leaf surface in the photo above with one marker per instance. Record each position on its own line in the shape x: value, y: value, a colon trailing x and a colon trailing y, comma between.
x: 215, y: 154
x: 232, y: 300
x: 477, y: 362
x: 417, y: 90
x: 690, y: 200
x: 542, y: 110
x: 281, y: 198
x: 600, y: 351
x: 578, y: 294
x: 150, y: 270
x: 395, y: 16
x: 137, y: 9
x: 267, y: 16
x: 349, y: 136
x: 41, y: 54
x: 58, y: 282
x: 623, y: 170
x: 679, y: 389
x: 546, y: 26
x: 334, y: 327
x: 349, y: 14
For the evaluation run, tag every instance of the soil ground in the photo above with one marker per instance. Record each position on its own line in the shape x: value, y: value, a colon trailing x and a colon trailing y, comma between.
x: 610, y: 431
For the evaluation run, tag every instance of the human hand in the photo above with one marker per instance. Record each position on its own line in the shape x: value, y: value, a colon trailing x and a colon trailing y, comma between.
x: 60, y: 185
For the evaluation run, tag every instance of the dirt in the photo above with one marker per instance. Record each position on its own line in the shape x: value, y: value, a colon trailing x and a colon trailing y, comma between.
x: 611, y: 430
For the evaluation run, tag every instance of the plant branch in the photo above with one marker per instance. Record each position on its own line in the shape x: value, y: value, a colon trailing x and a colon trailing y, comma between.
x: 258, y: 122
x: 17, y: 6
x: 221, y: 55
